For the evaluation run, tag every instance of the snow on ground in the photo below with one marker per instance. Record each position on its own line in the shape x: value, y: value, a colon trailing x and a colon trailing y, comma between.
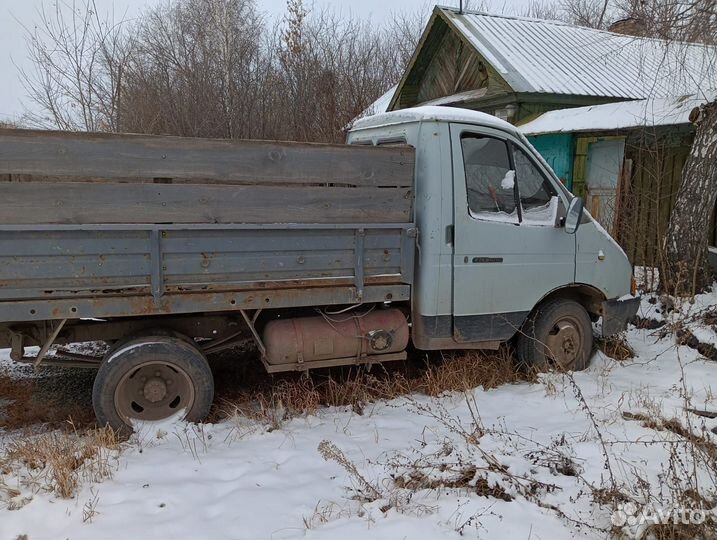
x: 519, y: 461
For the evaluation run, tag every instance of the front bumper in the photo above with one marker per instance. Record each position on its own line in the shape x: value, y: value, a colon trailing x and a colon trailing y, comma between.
x: 617, y: 313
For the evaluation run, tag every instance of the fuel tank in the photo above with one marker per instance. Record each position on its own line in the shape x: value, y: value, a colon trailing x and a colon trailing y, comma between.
x: 309, y: 339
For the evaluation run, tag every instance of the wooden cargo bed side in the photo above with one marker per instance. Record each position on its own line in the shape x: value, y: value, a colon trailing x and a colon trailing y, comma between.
x: 105, y: 226
x: 69, y: 178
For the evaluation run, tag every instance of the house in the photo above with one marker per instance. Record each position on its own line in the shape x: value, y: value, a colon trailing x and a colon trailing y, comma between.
x: 608, y: 111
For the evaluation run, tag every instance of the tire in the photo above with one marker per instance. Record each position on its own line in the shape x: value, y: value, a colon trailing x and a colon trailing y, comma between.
x: 556, y: 335
x: 152, y: 378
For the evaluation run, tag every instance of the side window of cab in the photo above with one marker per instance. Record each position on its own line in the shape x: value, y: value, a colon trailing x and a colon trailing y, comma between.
x: 490, y: 185
x: 504, y: 184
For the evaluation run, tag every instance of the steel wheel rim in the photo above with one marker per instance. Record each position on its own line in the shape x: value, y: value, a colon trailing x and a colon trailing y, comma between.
x: 564, y: 342
x: 153, y: 391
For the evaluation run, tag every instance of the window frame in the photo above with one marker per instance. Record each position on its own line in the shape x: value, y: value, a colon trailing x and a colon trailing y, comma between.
x: 512, y: 142
x: 531, y: 160
x: 508, y: 146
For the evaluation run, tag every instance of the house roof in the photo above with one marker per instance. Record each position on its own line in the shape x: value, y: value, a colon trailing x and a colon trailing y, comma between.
x: 381, y: 104
x: 611, y: 116
x: 549, y: 57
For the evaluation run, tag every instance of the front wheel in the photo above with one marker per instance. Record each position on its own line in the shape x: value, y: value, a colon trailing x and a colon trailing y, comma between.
x: 558, y: 334
x: 152, y: 378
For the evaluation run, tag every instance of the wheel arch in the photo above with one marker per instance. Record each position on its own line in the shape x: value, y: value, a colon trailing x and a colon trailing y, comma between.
x: 590, y: 297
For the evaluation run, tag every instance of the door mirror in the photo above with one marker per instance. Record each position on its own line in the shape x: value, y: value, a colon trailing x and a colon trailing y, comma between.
x: 575, y: 215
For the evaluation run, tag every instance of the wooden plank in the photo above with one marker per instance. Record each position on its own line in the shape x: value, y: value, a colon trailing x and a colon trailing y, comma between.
x: 73, y: 203
x: 146, y: 158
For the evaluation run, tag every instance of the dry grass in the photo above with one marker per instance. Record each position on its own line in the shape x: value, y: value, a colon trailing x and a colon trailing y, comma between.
x: 615, y: 347
x: 61, y: 461
x: 275, y: 399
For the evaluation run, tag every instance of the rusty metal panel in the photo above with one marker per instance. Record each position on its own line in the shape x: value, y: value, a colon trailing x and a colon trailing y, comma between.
x: 176, y: 303
x: 85, y: 271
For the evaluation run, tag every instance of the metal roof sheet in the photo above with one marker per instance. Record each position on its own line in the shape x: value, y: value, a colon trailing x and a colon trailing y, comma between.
x: 539, y: 56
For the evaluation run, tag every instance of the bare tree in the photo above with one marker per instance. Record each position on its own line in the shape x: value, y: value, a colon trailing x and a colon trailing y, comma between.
x: 689, y: 21
x: 402, y: 35
x: 685, y: 269
x: 194, y: 69
x: 547, y: 10
x: 333, y: 69
x: 213, y: 68
x: 590, y: 13
x: 79, y: 60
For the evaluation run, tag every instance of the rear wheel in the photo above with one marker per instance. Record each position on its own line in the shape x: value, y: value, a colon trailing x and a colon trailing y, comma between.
x: 558, y: 334
x: 152, y: 378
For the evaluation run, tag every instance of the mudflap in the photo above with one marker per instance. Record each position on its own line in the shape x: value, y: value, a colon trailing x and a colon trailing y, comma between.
x: 617, y: 313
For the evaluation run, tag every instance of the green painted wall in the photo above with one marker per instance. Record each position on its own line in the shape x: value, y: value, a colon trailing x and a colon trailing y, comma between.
x: 558, y: 151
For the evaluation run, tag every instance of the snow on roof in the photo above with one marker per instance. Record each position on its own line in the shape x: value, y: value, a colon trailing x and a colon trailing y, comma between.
x: 622, y: 115
x: 461, y: 97
x: 428, y: 113
x: 552, y: 57
x: 381, y: 104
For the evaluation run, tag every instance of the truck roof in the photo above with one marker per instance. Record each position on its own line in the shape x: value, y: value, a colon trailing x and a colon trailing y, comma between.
x: 432, y: 113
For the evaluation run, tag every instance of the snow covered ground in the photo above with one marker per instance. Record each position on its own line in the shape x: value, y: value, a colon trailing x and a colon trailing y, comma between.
x: 533, y: 460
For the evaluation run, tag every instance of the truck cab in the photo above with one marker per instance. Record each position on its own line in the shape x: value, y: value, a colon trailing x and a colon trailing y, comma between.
x: 496, y: 246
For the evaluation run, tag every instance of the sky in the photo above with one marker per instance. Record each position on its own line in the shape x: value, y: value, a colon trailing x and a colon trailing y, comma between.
x: 16, y: 15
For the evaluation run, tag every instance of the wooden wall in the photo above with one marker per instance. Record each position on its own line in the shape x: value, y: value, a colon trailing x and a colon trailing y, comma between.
x: 448, y: 65
x: 648, y: 195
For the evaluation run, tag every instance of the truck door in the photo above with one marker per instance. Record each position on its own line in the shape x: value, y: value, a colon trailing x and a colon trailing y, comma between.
x: 510, y: 248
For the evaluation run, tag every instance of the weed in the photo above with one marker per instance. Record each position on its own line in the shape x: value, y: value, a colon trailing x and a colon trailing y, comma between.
x: 365, y: 490
x: 89, y: 510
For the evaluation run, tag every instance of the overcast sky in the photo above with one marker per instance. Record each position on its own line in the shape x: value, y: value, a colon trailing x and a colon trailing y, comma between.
x: 14, y: 14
